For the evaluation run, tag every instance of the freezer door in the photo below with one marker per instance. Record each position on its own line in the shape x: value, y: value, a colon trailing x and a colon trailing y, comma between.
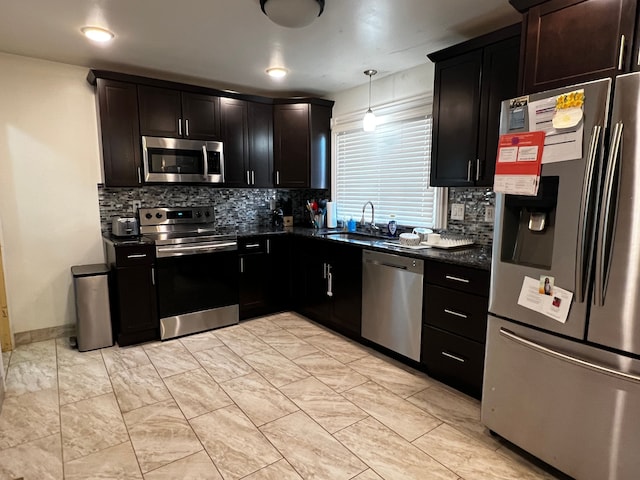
x: 572, y: 405
x: 615, y: 315
x: 568, y: 239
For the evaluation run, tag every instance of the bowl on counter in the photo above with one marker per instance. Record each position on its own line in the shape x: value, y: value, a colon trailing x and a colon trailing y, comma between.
x: 410, y: 239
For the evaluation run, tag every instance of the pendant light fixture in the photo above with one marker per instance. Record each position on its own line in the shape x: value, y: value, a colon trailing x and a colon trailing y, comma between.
x: 369, y: 120
x: 292, y: 13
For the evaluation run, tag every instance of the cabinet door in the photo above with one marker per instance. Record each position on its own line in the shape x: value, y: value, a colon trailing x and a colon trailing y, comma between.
x: 261, y: 144
x: 279, y: 277
x: 235, y: 139
x: 320, y: 154
x: 201, y: 116
x: 254, y: 280
x: 291, y: 145
x: 136, y: 304
x: 311, y: 280
x: 160, y: 112
x: 120, y: 134
x: 572, y: 41
x: 499, y: 82
x: 456, y: 108
x: 346, y: 279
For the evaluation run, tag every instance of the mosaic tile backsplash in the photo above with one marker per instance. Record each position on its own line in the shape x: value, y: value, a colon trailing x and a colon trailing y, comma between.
x: 250, y: 207
x: 475, y: 201
x: 233, y: 206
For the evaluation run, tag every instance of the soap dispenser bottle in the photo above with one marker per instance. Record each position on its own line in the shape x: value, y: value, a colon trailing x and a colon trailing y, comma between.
x: 392, y: 226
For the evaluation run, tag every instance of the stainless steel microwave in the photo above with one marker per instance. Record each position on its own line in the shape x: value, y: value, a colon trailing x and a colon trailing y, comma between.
x: 175, y: 160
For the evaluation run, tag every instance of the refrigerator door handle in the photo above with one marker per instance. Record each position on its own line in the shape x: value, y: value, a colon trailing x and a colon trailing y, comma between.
x: 568, y: 358
x: 584, y: 240
x: 607, y: 216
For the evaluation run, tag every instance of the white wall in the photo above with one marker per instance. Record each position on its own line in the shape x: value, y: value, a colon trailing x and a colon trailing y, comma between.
x: 49, y: 168
x: 410, y: 83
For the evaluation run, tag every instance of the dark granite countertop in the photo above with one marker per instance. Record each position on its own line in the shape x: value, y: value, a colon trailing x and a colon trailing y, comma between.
x: 476, y: 256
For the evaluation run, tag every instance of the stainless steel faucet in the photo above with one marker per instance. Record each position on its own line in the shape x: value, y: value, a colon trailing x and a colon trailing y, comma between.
x: 372, y: 225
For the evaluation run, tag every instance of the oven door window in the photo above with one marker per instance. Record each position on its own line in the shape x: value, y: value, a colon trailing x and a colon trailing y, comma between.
x: 193, y: 283
x: 181, y: 162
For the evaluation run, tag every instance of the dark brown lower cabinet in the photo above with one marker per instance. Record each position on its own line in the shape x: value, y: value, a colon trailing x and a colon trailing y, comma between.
x: 454, y: 359
x: 455, y: 305
x: 328, y: 284
x: 134, y: 310
x: 265, y: 276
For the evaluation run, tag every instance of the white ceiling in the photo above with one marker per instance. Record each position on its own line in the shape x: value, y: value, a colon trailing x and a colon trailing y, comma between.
x: 230, y: 43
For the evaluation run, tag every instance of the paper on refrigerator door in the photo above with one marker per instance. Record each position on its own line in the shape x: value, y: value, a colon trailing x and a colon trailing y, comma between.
x: 559, y: 144
x: 518, y: 163
x: 554, y: 305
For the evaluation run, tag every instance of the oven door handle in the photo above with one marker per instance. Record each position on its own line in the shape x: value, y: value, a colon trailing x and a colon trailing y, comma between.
x: 176, y: 251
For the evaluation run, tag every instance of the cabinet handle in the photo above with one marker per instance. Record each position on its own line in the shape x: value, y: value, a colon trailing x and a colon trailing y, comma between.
x: 186, y: 127
x: 621, y: 57
x: 456, y: 314
x: 454, y: 357
x: 456, y: 279
x: 469, y: 171
x: 139, y: 176
x: 180, y: 126
x: 329, y: 282
x: 277, y: 177
x: 153, y: 276
x: 252, y: 245
x: 241, y: 265
x: 638, y: 60
x: 477, y: 169
x: 248, y: 179
x: 137, y: 255
x: 253, y: 177
x: 268, y: 246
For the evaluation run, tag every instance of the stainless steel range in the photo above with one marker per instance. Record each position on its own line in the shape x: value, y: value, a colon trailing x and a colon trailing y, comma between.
x: 197, y: 269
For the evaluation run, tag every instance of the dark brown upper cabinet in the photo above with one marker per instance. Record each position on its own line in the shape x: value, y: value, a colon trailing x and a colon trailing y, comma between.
x: 119, y: 133
x: 573, y: 41
x: 247, y: 134
x: 166, y: 112
x: 302, y: 145
x: 471, y: 81
x: 235, y: 137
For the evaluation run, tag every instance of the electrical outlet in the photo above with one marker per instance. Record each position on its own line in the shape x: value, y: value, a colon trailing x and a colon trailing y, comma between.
x: 457, y: 211
x: 489, y: 213
x: 136, y: 204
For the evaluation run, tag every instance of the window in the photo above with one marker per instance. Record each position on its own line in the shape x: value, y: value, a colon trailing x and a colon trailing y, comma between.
x: 391, y: 168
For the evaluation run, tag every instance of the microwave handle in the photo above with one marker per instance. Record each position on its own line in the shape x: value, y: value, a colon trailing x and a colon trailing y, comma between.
x: 206, y: 161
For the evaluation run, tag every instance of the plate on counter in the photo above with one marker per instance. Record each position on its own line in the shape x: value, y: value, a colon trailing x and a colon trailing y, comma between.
x: 448, y: 243
x: 411, y: 247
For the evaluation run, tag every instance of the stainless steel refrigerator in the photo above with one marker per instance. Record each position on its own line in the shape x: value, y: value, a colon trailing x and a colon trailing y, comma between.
x: 569, y: 393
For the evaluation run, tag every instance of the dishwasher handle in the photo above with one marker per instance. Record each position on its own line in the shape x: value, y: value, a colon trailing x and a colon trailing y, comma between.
x: 386, y: 264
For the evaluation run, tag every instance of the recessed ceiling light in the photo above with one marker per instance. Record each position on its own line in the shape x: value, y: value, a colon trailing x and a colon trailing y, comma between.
x: 97, y: 34
x: 276, y: 72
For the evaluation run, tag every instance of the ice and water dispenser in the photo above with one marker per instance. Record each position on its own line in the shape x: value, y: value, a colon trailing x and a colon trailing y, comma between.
x: 528, y: 226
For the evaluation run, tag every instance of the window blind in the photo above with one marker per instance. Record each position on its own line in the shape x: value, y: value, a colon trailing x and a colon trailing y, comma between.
x: 391, y: 168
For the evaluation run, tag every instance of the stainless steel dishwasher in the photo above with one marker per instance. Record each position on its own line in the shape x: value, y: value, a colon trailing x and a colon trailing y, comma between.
x: 392, y: 302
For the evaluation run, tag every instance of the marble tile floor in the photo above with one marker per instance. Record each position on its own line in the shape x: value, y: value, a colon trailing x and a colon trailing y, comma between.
x: 278, y: 397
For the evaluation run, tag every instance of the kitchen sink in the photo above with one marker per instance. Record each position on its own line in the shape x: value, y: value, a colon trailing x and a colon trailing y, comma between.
x: 362, y: 237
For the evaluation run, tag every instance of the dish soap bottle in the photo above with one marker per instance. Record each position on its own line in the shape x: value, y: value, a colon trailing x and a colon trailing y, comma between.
x: 392, y: 226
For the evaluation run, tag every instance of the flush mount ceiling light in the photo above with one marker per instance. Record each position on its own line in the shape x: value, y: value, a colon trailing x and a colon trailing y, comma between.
x: 276, y: 72
x: 97, y: 34
x: 369, y: 120
x: 292, y: 13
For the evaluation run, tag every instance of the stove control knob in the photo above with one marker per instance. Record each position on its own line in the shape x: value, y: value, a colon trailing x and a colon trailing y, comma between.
x: 207, y: 213
x: 158, y: 215
x: 148, y: 215
x: 198, y: 214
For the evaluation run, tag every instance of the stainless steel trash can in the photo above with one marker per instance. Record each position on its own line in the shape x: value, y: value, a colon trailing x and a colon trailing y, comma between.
x: 93, y: 315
